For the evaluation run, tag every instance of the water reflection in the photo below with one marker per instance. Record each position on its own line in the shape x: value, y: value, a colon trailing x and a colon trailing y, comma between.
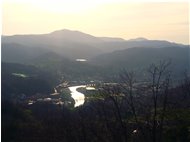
x: 77, y: 96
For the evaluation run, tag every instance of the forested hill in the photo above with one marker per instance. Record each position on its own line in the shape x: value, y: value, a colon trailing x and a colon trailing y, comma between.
x: 141, y: 58
x: 26, y: 80
x: 74, y: 44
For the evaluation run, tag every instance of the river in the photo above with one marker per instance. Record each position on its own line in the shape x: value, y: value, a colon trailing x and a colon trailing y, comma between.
x: 77, y: 96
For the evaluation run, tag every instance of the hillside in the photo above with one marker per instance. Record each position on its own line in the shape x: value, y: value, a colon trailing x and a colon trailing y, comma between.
x: 56, y: 53
x: 139, y: 59
x: 75, y: 44
x: 18, y: 80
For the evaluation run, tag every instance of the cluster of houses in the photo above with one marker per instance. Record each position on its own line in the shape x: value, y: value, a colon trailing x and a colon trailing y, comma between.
x: 54, y: 98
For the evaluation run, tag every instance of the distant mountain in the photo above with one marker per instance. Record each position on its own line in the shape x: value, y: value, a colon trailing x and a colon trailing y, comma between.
x: 139, y: 59
x: 74, y: 36
x: 18, y: 53
x: 112, y: 39
x: 55, y: 37
x: 74, y: 44
x: 138, y: 39
x: 142, y: 42
x: 62, y: 67
x: 71, y: 44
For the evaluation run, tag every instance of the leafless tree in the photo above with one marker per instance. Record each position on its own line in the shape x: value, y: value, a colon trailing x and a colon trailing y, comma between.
x: 160, y: 79
x: 128, y: 80
x: 113, y: 95
x: 128, y: 97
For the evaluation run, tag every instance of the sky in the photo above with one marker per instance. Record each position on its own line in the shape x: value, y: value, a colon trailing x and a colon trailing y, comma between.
x: 111, y: 18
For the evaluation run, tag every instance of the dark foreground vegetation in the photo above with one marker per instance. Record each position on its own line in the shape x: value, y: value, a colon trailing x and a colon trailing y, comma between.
x: 130, y: 111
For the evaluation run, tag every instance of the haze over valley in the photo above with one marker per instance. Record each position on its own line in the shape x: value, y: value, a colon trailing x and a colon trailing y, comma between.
x: 61, y: 49
x: 123, y: 74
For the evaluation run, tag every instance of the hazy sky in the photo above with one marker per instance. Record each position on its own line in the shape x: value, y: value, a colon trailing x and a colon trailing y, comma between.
x: 115, y: 18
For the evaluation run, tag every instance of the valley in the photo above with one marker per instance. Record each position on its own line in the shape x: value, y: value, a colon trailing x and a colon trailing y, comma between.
x: 95, y: 71
x: 70, y: 86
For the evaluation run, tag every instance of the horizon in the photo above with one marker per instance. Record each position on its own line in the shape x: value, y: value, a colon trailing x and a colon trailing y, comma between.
x: 132, y: 38
x: 152, y: 20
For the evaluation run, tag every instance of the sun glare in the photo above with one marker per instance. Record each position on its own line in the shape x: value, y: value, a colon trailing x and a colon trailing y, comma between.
x: 62, y: 6
x: 117, y: 18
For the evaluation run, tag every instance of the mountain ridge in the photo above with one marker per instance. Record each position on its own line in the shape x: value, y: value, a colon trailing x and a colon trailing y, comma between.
x: 68, y: 31
x: 76, y: 44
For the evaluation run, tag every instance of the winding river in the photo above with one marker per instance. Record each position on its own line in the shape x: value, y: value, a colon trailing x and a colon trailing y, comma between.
x: 77, y: 96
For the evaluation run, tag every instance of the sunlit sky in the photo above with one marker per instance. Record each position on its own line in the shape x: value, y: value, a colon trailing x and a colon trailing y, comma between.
x: 112, y: 18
